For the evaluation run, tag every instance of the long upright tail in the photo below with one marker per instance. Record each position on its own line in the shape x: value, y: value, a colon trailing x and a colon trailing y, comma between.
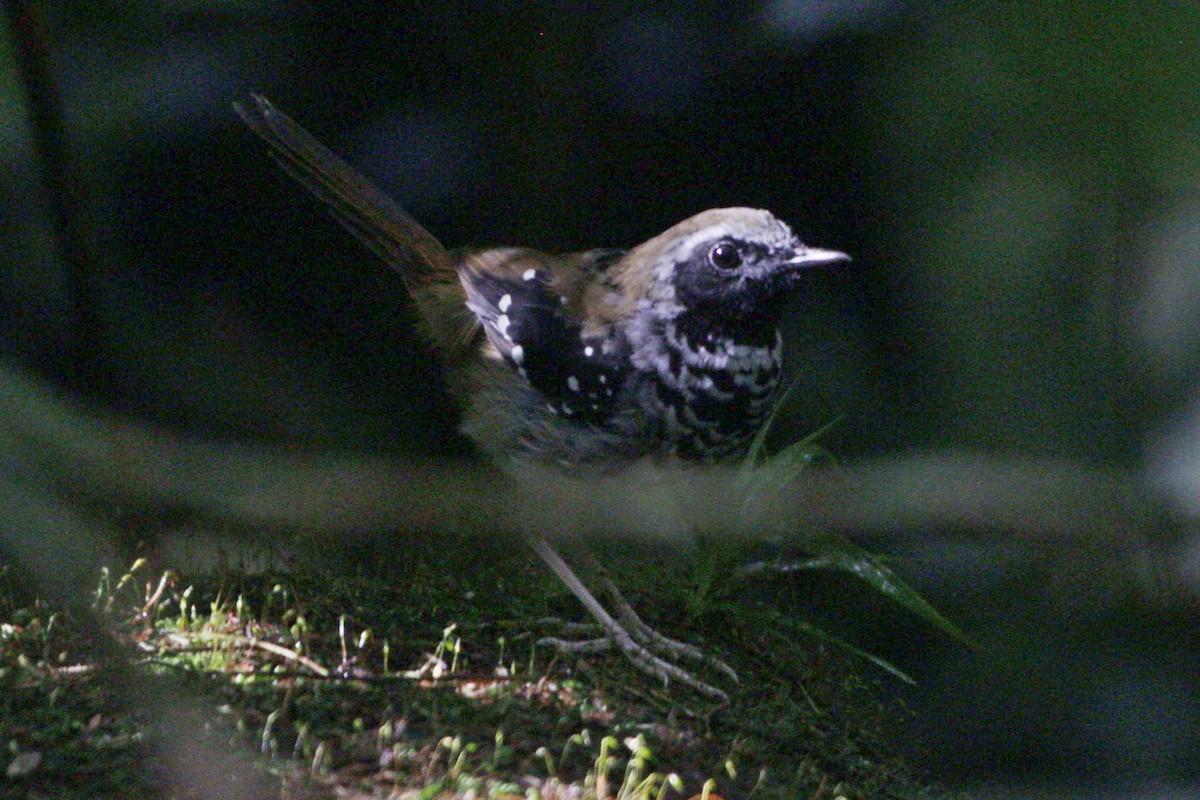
x: 378, y: 221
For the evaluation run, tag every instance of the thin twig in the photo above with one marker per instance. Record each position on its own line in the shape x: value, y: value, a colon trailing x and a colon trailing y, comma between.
x: 60, y: 179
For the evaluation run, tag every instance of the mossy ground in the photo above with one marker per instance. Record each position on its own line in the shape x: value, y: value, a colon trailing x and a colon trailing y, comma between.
x: 433, y: 685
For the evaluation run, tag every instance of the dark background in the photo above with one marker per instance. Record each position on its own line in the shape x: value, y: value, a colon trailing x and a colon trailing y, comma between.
x: 1018, y: 183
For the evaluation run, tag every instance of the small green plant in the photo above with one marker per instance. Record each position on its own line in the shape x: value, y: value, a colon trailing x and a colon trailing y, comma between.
x: 435, y: 665
x: 637, y: 783
x: 764, y: 475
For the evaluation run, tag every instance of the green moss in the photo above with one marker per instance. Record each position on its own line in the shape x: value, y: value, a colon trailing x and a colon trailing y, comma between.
x: 467, y: 705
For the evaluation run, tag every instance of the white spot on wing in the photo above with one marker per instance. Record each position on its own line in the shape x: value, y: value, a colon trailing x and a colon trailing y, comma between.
x: 588, y: 351
x: 505, y: 303
x: 502, y: 323
x: 529, y: 274
x: 573, y: 383
x: 517, y: 353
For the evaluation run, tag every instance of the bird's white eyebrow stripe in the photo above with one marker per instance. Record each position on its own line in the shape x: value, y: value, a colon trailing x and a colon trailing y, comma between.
x: 777, y: 236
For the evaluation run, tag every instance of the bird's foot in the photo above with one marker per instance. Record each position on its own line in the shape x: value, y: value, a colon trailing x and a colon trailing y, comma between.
x: 640, y: 643
x: 643, y: 658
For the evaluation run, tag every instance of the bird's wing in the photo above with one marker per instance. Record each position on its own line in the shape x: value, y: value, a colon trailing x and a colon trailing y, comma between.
x: 530, y: 305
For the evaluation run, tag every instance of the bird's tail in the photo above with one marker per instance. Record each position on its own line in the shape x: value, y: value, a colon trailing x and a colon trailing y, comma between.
x: 377, y: 220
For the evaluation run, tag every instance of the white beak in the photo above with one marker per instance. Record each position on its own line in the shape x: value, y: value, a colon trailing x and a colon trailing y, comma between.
x: 813, y: 257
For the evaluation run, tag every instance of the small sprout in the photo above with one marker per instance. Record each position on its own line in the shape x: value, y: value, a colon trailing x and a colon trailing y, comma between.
x: 184, y: 608
x: 269, y: 744
x: 321, y: 759
x: 637, y: 746
x: 500, y: 753
x: 383, y: 736
x: 581, y: 739
x: 457, y: 768
x: 544, y: 754
x: 301, y: 748
x: 673, y: 781
x: 102, y: 590
x: 299, y: 632
x: 604, y: 763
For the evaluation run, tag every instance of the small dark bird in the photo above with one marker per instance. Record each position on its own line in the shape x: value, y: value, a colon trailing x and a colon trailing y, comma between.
x: 591, y: 360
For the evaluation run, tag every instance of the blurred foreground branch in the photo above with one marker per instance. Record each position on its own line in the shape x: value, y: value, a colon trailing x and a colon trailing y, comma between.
x: 55, y: 445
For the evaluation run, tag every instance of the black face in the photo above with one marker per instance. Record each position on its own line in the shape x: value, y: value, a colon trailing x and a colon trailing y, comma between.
x: 735, y: 279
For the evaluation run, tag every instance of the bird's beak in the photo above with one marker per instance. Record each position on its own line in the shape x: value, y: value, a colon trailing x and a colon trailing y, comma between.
x: 814, y: 257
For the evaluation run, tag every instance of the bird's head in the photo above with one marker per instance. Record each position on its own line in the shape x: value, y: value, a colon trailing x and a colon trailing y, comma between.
x: 726, y: 264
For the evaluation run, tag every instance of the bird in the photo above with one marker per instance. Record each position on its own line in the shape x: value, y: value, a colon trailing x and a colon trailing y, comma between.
x: 593, y: 361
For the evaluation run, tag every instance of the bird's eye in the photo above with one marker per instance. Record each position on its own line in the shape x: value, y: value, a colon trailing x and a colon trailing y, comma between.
x: 725, y: 255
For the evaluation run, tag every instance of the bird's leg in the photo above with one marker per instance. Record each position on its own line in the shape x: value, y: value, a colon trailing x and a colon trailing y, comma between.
x: 643, y: 632
x: 625, y: 638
